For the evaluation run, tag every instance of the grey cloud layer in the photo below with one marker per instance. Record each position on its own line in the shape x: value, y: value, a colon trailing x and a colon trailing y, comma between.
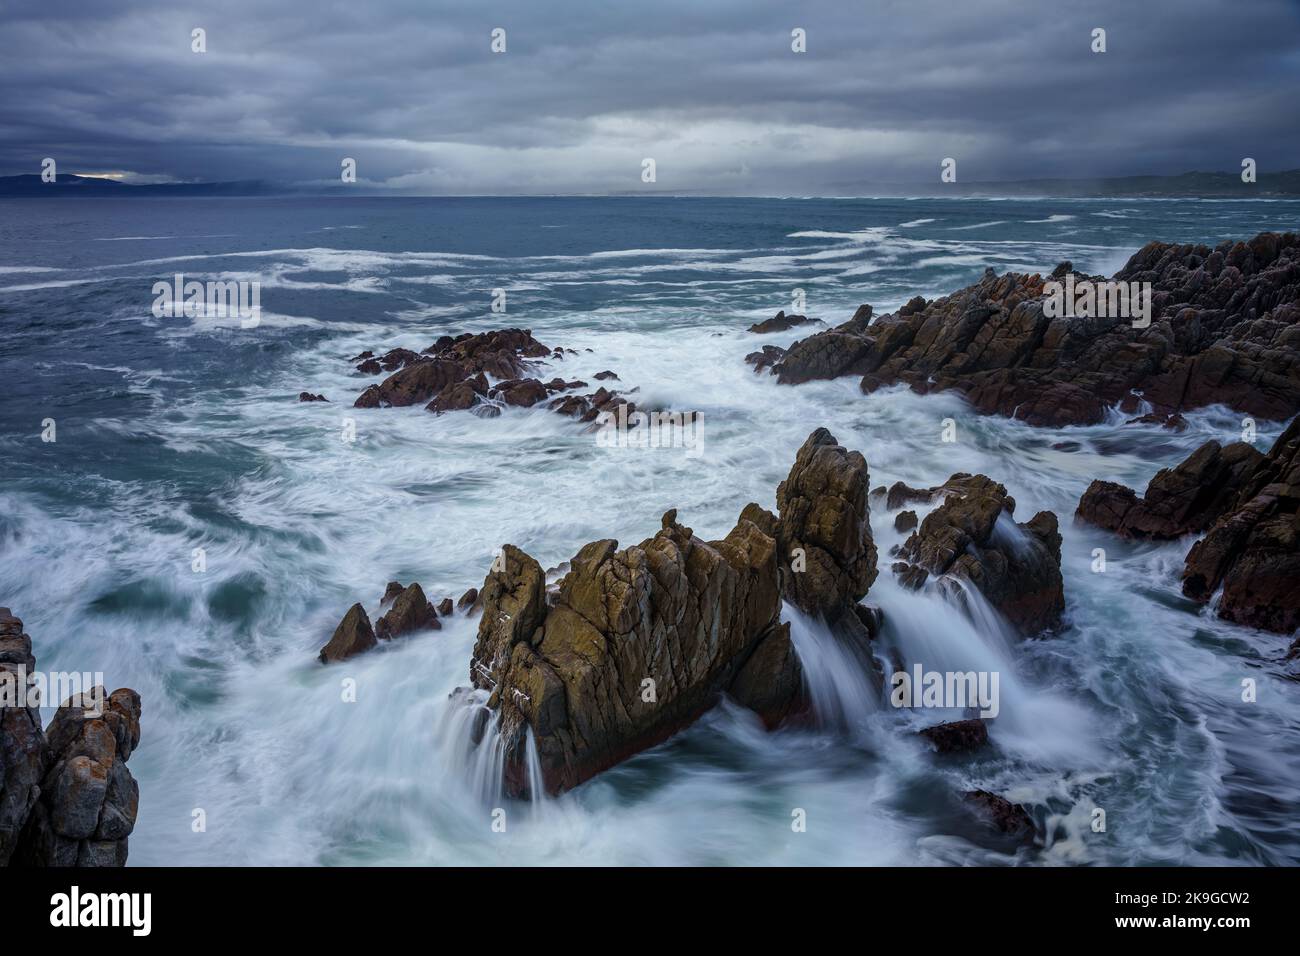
x: 711, y: 90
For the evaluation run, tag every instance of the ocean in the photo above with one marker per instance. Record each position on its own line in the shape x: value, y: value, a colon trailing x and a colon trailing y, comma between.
x: 177, y: 434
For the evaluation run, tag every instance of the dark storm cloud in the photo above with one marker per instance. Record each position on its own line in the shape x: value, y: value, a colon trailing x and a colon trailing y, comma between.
x: 585, y: 91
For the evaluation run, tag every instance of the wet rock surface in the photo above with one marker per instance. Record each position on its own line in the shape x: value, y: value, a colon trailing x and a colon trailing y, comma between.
x: 972, y: 536
x: 1252, y: 552
x: 66, y: 795
x: 1185, y: 499
x: 780, y: 323
x: 957, y: 736
x: 1224, y: 328
x: 635, y: 644
x: 1000, y: 813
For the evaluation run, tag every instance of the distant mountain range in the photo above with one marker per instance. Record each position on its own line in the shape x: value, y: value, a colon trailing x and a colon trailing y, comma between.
x: 66, y: 184
x: 1186, y: 185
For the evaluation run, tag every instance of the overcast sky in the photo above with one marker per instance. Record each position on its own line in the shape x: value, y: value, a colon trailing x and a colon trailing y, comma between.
x: 710, y: 89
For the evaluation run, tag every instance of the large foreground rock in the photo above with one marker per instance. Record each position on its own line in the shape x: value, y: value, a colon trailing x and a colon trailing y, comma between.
x: 972, y: 536
x: 637, y: 643
x: 22, y: 741
x: 88, y: 798
x: 1252, y: 552
x: 1225, y: 328
x: 66, y: 795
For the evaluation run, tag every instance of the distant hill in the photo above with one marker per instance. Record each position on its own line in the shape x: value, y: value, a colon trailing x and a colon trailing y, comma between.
x: 66, y: 184
x: 1185, y: 185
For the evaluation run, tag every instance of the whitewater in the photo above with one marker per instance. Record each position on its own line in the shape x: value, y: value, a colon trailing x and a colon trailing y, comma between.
x: 186, y: 433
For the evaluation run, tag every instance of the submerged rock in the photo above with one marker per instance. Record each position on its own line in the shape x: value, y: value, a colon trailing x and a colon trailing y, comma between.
x: 309, y: 397
x: 1224, y: 328
x: 635, y: 644
x: 958, y: 736
x: 779, y: 323
x: 972, y: 536
x: 1003, y: 815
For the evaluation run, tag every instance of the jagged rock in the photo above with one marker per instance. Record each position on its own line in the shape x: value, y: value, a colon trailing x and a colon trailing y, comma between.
x: 1003, y: 815
x: 635, y: 644
x: 905, y: 521
x: 971, y: 535
x: 370, y: 367
x: 445, y: 607
x: 768, y: 356
x: 88, y: 798
x: 393, y: 589
x: 353, y: 636
x: 606, y: 376
x: 824, y: 527
x: 523, y: 392
x: 957, y: 736
x: 422, y: 376
x: 22, y: 742
x: 842, y: 350
x: 1174, y: 423
x: 779, y: 323
x: 1181, y: 500
x: 458, y: 397
x: 1252, y: 552
x: 675, y: 610
x: 309, y: 397
x: 770, y: 682
x: 560, y: 385
x: 900, y: 494
x: 468, y: 601
x: 411, y: 611
x: 1225, y: 328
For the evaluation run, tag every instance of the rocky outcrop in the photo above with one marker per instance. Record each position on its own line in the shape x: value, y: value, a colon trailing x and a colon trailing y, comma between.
x: 1252, y: 553
x: 89, y: 799
x: 1224, y: 328
x: 843, y: 350
x: 824, y: 531
x: 971, y: 536
x: 635, y: 644
x: 1185, y: 499
x: 409, y: 610
x: 421, y: 377
x: 779, y: 323
x: 309, y: 397
x: 66, y: 795
x: 353, y: 636
x: 22, y: 741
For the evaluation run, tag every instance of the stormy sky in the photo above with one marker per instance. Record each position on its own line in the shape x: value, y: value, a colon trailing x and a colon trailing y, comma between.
x: 710, y: 89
